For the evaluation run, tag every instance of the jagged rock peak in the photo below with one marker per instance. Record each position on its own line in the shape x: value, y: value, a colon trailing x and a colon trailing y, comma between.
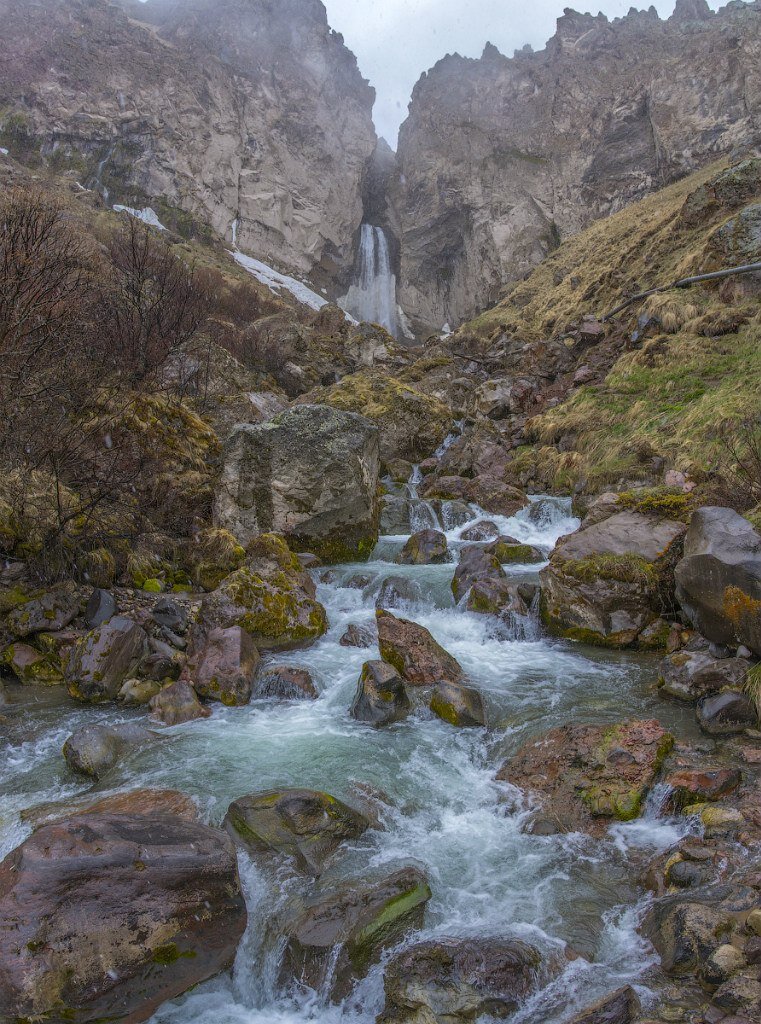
x: 552, y: 140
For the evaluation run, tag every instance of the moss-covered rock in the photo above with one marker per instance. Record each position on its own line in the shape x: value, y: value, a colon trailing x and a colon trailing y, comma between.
x: 31, y: 667
x: 458, y: 705
x: 29, y: 612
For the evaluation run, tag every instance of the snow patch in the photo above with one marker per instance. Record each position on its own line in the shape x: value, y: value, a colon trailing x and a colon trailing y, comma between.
x: 3, y: 152
x: 446, y: 330
x: 147, y: 216
x: 276, y: 281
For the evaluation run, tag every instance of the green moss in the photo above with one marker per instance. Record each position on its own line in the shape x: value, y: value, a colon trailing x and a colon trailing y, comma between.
x: 659, y: 501
x: 395, y: 910
x: 170, y: 954
x: 628, y: 568
x: 507, y: 554
x: 153, y: 586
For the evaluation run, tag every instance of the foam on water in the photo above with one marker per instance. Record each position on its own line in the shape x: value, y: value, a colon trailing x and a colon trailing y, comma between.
x: 440, y: 803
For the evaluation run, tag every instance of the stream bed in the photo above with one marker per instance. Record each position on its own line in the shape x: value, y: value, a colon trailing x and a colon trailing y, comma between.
x: 573, y: 897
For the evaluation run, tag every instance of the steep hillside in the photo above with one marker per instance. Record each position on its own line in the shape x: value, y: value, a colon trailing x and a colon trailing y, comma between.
x: 500, y: 159
x: 250, y: 116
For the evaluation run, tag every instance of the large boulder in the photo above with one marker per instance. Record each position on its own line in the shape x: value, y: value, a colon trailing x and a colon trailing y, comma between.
x: 310, y: 474
x: 285, y: 682
x: 686, y: 931
x: 608, y: 583
x: 413, y: 652
x: 225, y: 666
x: 145, y: 802
x: 339, y: 935
x: 458, y: 705
x: 40, y: 611
x: 619, y: 1007
x: 718, y: 582
x: 300, y: 823
x: 589, y: 775
x: 689, y: 675
x: 271, y: 598
x: 381, y: 697
x: 106, y: 916
x: 32, y: 667
x: 94, y: 749
x: 411, y: 424
x: 177, y: 704
x: 456, y: 981
x: 489, y: 493
x: 427, y: 547
x: 104, y: 659
x: 727, y: 712
x: 476, y: 565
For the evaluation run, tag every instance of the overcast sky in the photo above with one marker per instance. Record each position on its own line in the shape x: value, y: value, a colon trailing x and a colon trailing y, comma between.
x: 396, y: 40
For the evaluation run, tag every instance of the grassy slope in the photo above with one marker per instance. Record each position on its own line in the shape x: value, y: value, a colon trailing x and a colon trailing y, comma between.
x: 669, y: 396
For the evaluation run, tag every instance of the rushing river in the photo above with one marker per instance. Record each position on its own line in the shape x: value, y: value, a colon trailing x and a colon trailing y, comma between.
x: 569, y: 895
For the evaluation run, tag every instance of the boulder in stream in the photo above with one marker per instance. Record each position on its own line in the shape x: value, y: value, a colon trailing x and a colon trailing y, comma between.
x: 482, y: 531
x: 306, y: 825
x: 381, y: 697
x: 341, y: 933
x: 589, y: 775
x: 606, y: 584
x: 476, y: 564
x: 397, y: 591
x: 358, y: 636
x: 689, y: 675
x: 458, y: 705
x: 718, y: 582
x: 619, y: 1007
x: 225, y: 666
x: 456, y: 980
x: 94, y: 749
x: 413, y: 652
x: 727, y: 712
x: 271, y: 597
x: 107, y: 916
x: 311, y: 473
x: 511, y: 552
x: 427, y: 547
x: 177, y: 704
x: 285, y: 682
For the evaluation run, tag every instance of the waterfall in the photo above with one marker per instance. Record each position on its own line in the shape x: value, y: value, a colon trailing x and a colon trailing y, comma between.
x: 372, y: 297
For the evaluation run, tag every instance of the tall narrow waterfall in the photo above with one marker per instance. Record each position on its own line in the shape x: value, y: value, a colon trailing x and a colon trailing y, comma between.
x: 372, y: 297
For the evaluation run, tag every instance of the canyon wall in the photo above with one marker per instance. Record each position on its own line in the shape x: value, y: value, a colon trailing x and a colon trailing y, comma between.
x: 500, y: 158
x: 247, y: 111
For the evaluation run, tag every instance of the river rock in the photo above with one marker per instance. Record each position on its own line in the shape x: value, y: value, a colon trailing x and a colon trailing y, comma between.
x: 727, y: 712
x: 310, y: 474
x: 718, y: 582
x: 690, y: 675
x: 94, y: 749
x: 696, y: 785
x: 413, y: 652
x: 394, y: 515
x: 101, y: 607
x: 619, y: 1007
x: 225, y: 667
x: 686, y: 932
x: 459, y: 705
x: 32, y: 667
x: 342, y: 933
x: 285, y: 682
x: 170, y: 615
x: 300, y: 823
x: 381, y: 698
x: 397, y: 591
x: 177, y: 703
x: 428, y: 547
x: 485, y: 530
x: 456, y: 981
x: 272, y: 598
x: 145, y: 802
x: 43, y: 611
x: 512, y: 552
x: 476, y: 564
x: 607, y: 583
x: 453, y: 513
x: 358, y: 636
x: 497, y: 597
x: 110, y: 915
x: 104, y: 659
x: 588, y: 775
x: 489, y: 493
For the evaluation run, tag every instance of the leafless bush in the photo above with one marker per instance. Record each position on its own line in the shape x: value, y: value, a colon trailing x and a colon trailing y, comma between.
x: 741, y: 444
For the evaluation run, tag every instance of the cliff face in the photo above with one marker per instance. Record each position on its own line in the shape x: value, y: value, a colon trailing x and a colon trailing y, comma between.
x: 230, y: 110
x: 500, y: 158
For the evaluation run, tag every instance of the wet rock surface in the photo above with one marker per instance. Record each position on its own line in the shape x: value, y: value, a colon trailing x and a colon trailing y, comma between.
x: 381, y: 697
x: 225, y: 667
x: 73, y: 889
x: 413, y: 652
x: 285, y: 682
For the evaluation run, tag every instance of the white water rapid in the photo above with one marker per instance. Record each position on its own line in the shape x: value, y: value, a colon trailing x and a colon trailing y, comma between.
x: 372, y: 297
x: 445, y: 811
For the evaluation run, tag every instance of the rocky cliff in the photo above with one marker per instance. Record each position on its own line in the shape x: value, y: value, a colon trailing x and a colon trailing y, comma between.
x: 249, y: 115
x: 500, y: 158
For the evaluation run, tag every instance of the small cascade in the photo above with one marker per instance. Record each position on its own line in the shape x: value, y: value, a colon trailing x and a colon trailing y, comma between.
x: 98, y: 183
x: 372, y: 297
x: 423, y: 515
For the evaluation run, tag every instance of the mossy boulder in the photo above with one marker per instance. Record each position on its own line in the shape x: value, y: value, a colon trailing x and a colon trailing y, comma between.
x: 337, y: 936
x: 427, y: 547
x: 458, y: 705
x: 104, y: 659
x: 93, y: 750
x: 381, y: 697
x: 413, y: 652
x: 589, y: 775
x: 224, y: 666
x: 606, y: 584
x: 32, y: 667
x: 411, y: 424
x: 476, y: 565
x: 177, y: 703
x: 311, y: 474
x: 213, y: 554
x: 40, y: 611
x: 302, y: 824
x: 508, y: 552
